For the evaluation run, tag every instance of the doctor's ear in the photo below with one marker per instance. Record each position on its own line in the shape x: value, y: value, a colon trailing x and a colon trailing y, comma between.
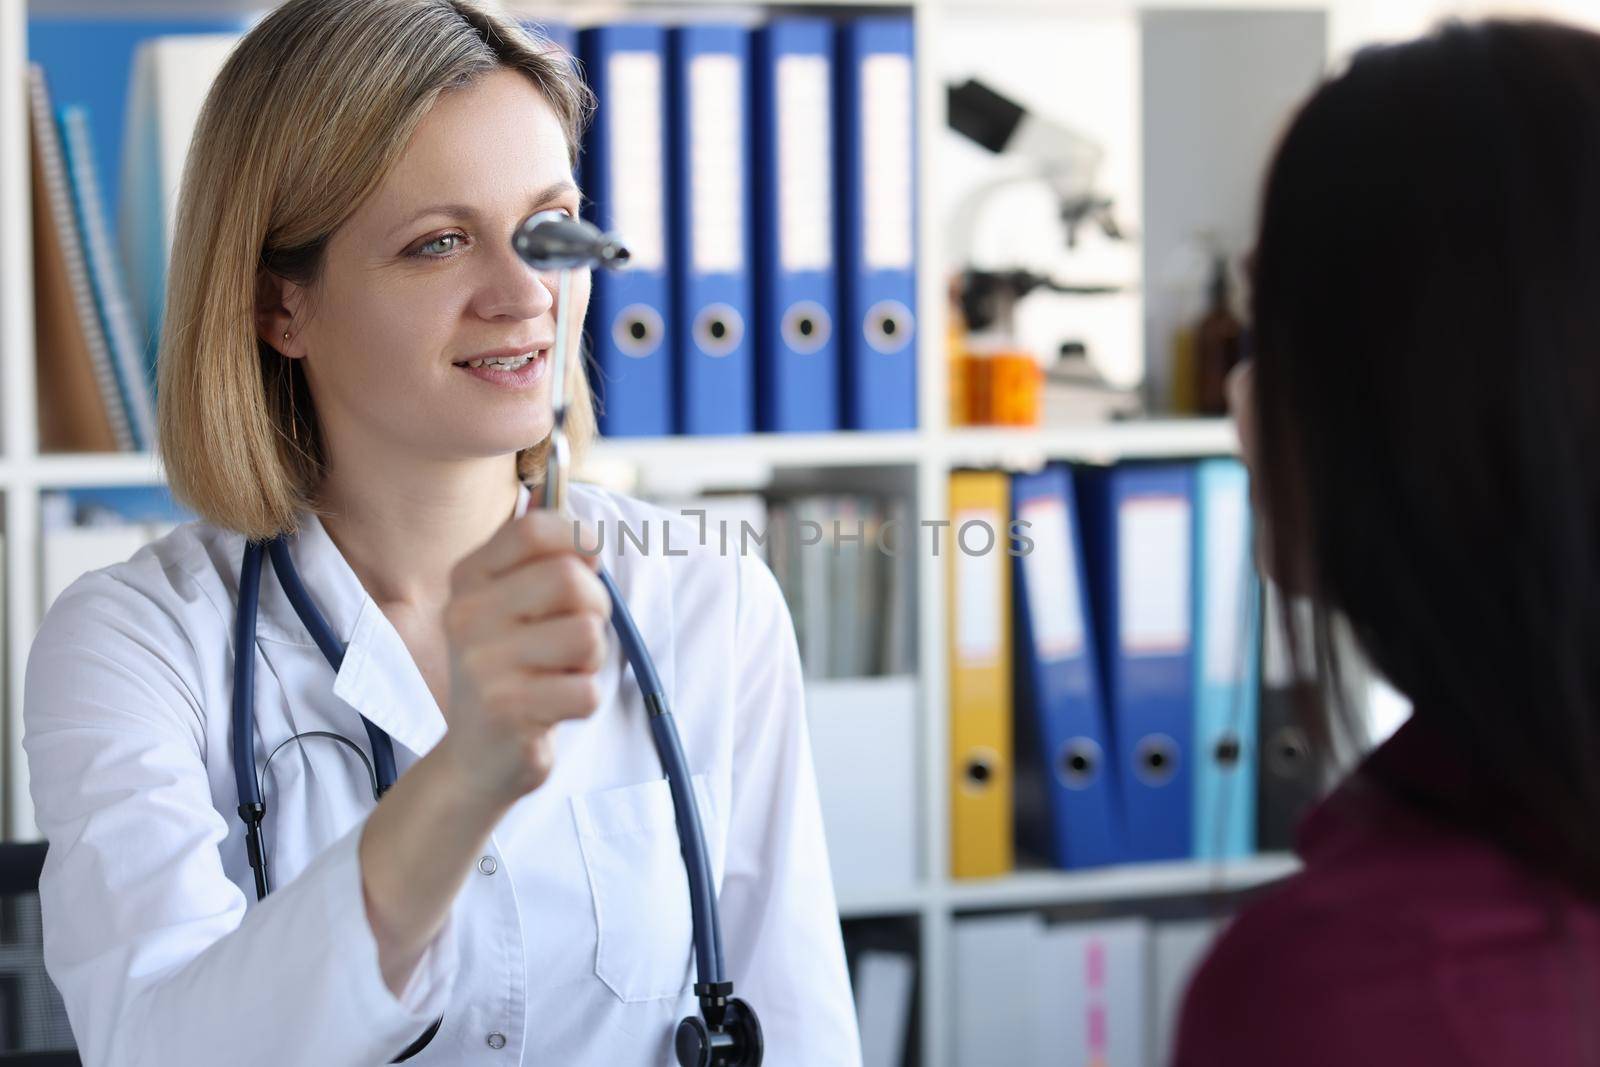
x: 276, y: 299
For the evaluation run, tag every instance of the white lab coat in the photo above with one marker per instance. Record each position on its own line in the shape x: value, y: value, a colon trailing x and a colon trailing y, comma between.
x: 570, y: 942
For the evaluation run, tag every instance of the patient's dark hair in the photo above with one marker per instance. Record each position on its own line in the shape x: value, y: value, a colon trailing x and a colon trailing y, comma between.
x: 1426, y: 307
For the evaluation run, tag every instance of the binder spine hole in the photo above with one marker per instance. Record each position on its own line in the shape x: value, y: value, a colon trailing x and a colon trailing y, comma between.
x: 1156, y: 760
x: 806, y: 327
x: 1228, y: 751
x: 1080, y: 763
x: 637, y: 331
x: 888, y: 326
x: 980, y: 772
x: 1287, y: 753
x: 718, y: 329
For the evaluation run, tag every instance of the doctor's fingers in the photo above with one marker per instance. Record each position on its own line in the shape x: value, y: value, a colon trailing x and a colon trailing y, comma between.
x: 555, y: 585
x: 529, y: 536
x: 574, y: 642
x: 533, y: 701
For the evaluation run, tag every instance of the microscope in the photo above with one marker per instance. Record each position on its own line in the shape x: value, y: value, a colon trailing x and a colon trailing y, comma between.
x: 1069, y: 165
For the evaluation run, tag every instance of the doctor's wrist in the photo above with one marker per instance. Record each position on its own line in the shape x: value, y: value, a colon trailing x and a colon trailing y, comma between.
x: 417, y: 848
x: 464, y: 784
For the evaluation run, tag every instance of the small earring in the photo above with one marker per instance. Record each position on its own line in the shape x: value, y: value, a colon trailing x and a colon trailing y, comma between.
x: 285, y: 335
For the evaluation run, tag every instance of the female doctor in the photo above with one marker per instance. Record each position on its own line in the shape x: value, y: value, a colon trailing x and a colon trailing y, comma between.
x: 343, y: 256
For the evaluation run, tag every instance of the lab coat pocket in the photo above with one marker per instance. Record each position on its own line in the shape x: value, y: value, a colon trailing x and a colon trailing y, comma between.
x: 629, y: 836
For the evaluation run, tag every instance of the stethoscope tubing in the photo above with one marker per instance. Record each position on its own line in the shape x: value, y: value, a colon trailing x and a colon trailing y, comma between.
x: 691, y: 835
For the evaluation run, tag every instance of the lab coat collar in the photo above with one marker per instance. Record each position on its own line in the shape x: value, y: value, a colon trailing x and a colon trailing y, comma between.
x: 378, y: 675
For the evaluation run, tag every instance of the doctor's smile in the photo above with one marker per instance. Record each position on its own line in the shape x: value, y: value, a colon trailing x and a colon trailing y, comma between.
x: 515, y: 368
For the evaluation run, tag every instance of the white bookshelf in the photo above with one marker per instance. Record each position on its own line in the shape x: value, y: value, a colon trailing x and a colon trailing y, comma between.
x: 920, y: 460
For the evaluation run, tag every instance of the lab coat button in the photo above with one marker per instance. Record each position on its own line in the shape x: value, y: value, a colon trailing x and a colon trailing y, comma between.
x: 487, y: 865
x: 497, y: 1040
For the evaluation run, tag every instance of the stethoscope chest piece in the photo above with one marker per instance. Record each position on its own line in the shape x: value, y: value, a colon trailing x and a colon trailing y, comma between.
x: 736, y: 1043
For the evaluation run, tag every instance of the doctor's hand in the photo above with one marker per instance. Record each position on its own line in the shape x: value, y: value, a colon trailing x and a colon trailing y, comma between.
x: 528, y: 626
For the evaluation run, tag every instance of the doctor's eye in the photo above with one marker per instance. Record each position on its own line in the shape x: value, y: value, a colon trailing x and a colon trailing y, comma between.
x: 419, y: 253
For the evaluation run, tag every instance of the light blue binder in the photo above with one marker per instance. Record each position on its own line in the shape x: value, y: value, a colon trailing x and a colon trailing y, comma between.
x: 1227, y: 662
x: 708, y: 94
x: 1065, y: 799
x: 797, y: 285
x: 625, y: 176
x: 877, y: 125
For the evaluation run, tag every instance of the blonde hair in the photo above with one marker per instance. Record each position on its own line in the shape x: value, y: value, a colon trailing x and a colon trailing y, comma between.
x: 309, y: 112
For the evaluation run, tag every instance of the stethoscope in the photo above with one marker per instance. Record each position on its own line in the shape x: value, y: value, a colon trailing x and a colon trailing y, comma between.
x: 727, y: 1032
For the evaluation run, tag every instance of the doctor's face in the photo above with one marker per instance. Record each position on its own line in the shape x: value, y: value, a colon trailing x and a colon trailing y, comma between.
x: 422, y: 277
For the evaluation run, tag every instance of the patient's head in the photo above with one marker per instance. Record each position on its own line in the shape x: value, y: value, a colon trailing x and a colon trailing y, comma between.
x: 1422, y: 408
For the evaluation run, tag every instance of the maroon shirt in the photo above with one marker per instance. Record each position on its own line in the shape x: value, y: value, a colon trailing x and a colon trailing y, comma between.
x: 1404, y: 940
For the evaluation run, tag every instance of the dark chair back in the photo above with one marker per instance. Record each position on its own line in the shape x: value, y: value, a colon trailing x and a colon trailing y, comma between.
x: 33, y: 1021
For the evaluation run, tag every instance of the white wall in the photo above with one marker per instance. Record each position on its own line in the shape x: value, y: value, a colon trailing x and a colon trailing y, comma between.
x: 1353, y: 23
x: 1219, y: 88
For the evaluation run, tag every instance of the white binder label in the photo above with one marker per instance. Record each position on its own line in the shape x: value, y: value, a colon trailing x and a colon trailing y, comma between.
x: 716, y: 166
x: 886, y: 160
x: 1054, y: 609
x: 1153, y: 575
x: 635, y: 148
x: 805, y: 156
x: 1227, y: 517
x: 977, y: 586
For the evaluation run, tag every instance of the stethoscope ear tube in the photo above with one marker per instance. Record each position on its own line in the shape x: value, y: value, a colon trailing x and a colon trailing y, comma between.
x: 332, y: 651
x: 251, y: 807
x: 244, y: 676
x: 251, y: 810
